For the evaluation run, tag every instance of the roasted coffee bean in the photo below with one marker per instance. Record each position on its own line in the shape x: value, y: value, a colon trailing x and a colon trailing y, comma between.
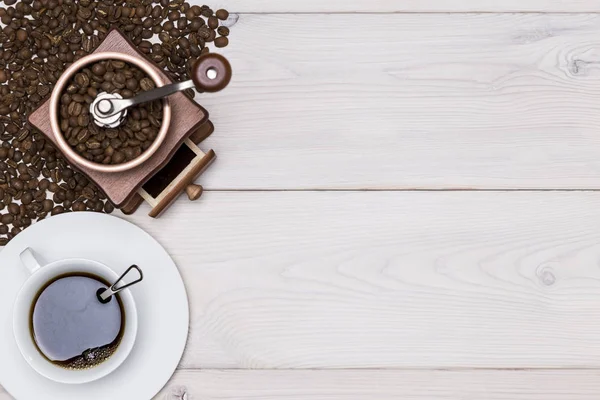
x: 44, y: 183
x: 99, y: 69
x: 39, y: 195
x: 147, y: 84
x: 108, y: 207
x: 74, y: 109
x: 17, y: 184
x: 61, y: 195
x: 223, y: 31
x: 213, y: 22
x: 78, y: 206
x: 221, y: 41
x: 7, y: 219
x: 47, y: 205
x: 222, y: 14
x: 27, y: 198
x: 57, y: 210
x: 53, y: 187
x: 98, y: 206
x: 13, y: 208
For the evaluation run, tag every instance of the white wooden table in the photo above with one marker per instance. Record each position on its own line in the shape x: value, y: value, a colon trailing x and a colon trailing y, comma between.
x: 404, y: 206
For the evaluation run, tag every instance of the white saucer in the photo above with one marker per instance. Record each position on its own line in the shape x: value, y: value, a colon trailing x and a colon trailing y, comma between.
x: 161, y: 300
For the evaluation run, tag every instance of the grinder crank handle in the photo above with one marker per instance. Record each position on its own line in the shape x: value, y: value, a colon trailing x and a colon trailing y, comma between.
x: 210, y: 73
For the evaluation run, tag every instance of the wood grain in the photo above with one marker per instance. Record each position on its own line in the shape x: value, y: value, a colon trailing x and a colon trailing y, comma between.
x: 416, y: 101
x: 380, y: 385
x: 400, y: 6
x: 388, y: 280
x: 383, y: 385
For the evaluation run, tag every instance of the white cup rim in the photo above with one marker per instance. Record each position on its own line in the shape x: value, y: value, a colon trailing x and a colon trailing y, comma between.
x: 21, y: 321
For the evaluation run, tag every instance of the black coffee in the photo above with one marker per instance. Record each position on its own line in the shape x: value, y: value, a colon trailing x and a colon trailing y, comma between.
x: 71, y: 327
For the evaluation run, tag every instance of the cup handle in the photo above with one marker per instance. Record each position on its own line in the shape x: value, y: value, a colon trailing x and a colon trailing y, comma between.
x: 29, y: 261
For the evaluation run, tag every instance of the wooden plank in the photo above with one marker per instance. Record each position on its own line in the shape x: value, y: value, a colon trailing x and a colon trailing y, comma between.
x: 430, y: 101
x: 388, y: 279
x: 383, y: 385
x: 380, y: 384
x: 403, y: 6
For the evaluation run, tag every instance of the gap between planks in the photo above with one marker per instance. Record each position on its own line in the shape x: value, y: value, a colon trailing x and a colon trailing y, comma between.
x: 406, y: 6
x: 387, y: 384
x: 358, y: 190
x: 380, y: 385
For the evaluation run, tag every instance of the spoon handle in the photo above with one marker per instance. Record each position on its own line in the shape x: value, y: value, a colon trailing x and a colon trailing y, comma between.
x: 104, y: 295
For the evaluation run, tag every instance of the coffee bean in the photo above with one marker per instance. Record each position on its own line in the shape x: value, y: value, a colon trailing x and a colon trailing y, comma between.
x: 82, y: 80
x: 79, y: 206
x: 221, y: 41
x: 44, y: 183
x: 98, y: 206
x: 61, y: 195
x: 213, y: 22
x: 13, y: 208
x: 47, y: 205
x: 99, y: 69
x: 222, y: 14
x: 88, y: 193
x: 17, y: 184
x: 132, y: 84
x: 7, y: 219
x: 74, y: 109
x: 223, y: 31
x: 27, y: 198
x: 53, y: 187
x: 108, y: 207
x: 39, y: 195
x: 147, y: 84
x: 57, y: 210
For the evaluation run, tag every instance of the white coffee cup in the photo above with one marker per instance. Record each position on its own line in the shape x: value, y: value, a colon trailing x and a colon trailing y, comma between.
x: 41, y: 275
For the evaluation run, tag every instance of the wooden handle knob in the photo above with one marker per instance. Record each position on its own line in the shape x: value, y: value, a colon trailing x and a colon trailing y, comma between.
x: 194, y: 192
x: 211, y: 73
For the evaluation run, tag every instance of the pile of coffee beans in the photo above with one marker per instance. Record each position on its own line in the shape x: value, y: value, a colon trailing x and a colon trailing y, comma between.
x: 109, y: 145
x: 39, y: 39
